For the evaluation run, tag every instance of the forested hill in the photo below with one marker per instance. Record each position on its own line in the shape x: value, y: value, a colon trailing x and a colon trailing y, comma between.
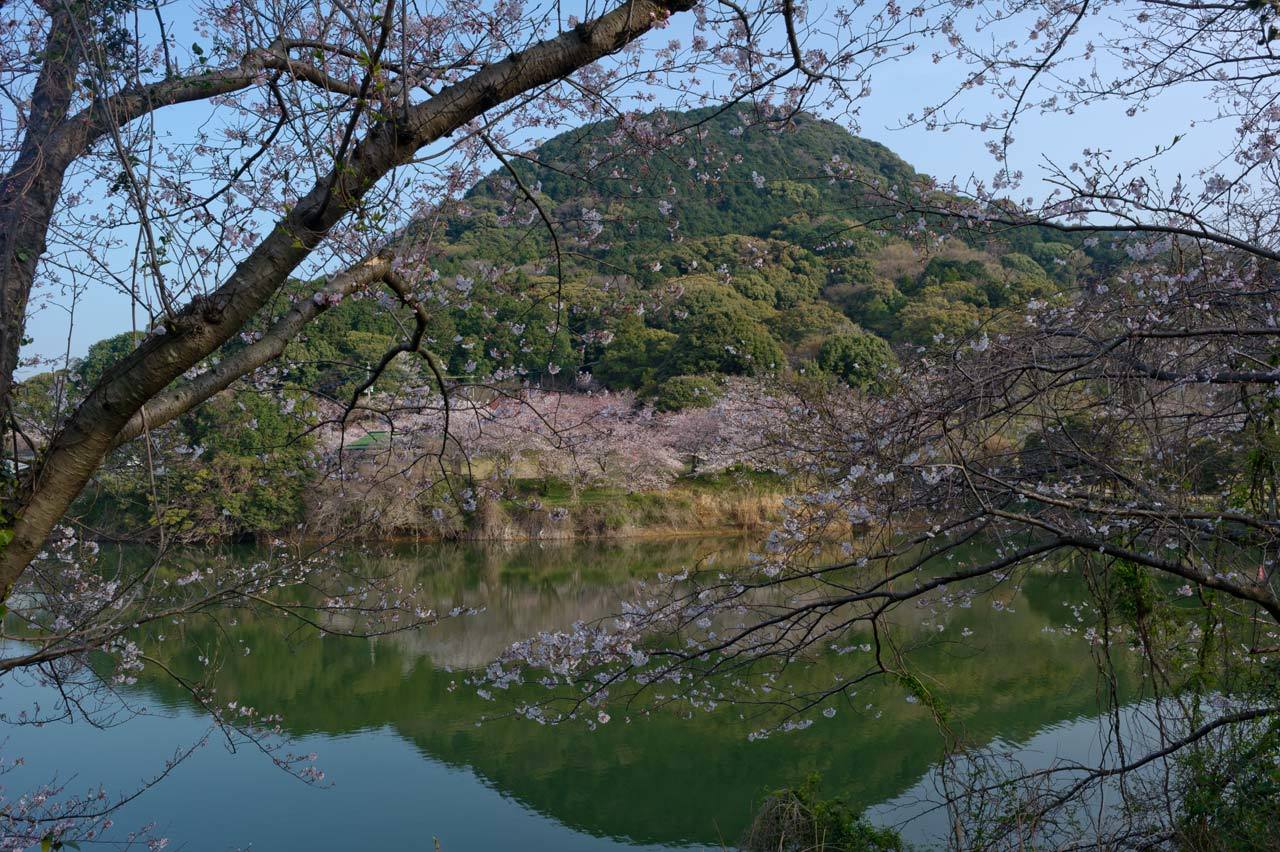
x: 687, y: 246
x: 705, y: 173
x: 706, y: 243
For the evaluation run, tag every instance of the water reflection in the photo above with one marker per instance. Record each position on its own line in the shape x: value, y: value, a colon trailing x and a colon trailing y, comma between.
x: 396, y: 726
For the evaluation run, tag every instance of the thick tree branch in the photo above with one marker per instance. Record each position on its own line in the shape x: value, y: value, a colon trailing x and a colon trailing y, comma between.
x: 179, y: 400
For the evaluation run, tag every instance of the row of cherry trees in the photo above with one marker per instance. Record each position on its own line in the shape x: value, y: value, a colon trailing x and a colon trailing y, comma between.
x: 408, y: 474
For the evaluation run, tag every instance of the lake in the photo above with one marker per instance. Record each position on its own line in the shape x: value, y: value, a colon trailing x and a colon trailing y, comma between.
x: 398, y: 735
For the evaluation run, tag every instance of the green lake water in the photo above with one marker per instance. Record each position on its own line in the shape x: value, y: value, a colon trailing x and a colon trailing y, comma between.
x: 395, y: 725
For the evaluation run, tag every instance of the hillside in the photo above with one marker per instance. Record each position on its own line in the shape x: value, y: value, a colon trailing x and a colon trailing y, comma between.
x: 711, y: 174
x: 732, y: 250
x: 687, y: 247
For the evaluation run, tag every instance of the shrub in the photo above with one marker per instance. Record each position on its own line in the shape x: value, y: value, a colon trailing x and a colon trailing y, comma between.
x: 635, y: 357
x: 794, y: 819
x: 724, y: 339
x: 1229, y: 798
x: 863, y: 360
x: 813, y: 319
x: 680, y: 392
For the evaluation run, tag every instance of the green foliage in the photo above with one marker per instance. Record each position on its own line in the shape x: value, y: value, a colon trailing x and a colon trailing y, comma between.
x: 35, y: 400
x: 862, y: 360
x: 343, y: 344
x: 795, y: 819
x: 724, y: 143
x: 680, y: 392
x: 776, y: 273
x: 102, y: 355
x: 720, y: 331
x: 805, y: 321
x: 1133, y: 591
x: 636, y: 356
x: 704, y: 294
x: 762, y: 227
x: 947, y: 270
x: 725, y: 341
x: 912, y: 683
x: 1060, y: 261
x: 935, y: 316
x: 1229, y: 801
x: 254, y: 467
x: 1259, y: 488
x: 238, y: 465
x: 728, y: 241
x: 869, y: 300
x: 517, y: 327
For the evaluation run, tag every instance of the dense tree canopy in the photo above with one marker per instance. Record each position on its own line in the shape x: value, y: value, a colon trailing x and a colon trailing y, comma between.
x: 863, y: 360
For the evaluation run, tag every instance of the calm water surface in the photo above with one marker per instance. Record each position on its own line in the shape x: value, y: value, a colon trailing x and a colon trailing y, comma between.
x: 396, y: 727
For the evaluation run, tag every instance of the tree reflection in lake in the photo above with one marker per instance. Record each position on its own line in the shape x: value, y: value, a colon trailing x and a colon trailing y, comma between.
x: 395, y: 723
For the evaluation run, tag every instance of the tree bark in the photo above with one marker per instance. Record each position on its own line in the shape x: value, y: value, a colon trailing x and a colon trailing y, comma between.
x: 30, y: 191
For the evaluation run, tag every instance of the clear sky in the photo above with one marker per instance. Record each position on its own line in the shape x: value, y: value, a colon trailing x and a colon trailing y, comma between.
x: 897, y: 89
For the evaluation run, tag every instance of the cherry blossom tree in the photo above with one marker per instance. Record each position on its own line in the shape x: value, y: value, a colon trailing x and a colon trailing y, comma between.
x: 234, y: 170
x: 1123, y: 430
x: 296, y: 142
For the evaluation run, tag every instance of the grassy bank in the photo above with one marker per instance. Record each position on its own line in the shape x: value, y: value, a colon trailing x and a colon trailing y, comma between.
x: 549, y: 509
x: 715, y: 503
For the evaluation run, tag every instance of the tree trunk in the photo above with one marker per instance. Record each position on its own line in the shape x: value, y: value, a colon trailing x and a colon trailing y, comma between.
x: 30, y: 191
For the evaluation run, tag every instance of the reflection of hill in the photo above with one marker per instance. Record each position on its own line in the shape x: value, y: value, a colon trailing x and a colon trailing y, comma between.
x: 657, y: 779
